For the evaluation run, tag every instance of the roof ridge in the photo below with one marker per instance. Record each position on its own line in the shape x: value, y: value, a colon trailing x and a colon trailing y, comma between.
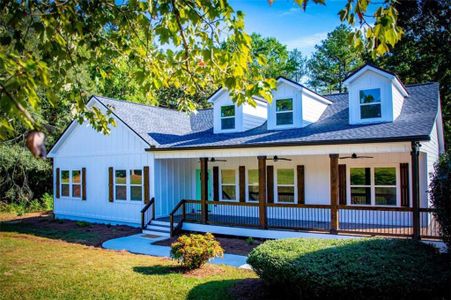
x: 136, y: 103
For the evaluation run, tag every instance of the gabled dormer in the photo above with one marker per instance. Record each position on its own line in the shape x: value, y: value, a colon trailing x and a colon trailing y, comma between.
x: 375, y: 95
x: 294, y: 106
x: 229, y: 117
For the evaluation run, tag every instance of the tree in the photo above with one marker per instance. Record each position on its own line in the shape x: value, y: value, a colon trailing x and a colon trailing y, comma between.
x: 178, y: 46
x: 423, y: 55
x: 332, y: 60
x: 300, y: 65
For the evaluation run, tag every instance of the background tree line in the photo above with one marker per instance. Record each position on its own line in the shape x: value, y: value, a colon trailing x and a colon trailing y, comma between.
x: 422, y: 55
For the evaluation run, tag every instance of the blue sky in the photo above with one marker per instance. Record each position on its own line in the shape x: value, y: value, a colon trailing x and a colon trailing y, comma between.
x: 288, y: 23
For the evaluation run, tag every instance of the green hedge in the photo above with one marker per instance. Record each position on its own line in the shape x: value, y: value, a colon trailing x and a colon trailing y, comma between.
x: 352, y: 268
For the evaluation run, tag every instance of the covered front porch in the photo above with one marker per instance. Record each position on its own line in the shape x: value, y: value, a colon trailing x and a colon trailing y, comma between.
x: 298, y: 189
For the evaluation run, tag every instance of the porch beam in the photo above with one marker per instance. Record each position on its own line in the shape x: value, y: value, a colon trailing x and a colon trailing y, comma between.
x: 204, y: 189
x: 262, y: 191
x: 334, y: 193
x: 415, y: 154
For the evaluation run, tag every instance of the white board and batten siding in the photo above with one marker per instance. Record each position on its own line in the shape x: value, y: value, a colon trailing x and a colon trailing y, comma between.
x: 83, y: 147
x: 392, y: 98
x: 246, y: 115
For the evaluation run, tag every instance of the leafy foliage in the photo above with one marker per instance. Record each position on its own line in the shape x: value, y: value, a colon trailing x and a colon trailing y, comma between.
x: 352, y: 268
x: 440, y: 191
x: 332, y: 60
x: 153, y: 44
x: 194, y: 250
x: 22, y: 178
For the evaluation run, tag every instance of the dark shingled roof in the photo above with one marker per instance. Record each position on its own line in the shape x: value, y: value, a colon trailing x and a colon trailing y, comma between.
x: 166, y: 128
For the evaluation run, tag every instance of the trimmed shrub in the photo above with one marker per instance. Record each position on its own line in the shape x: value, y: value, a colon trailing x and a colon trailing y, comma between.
x: 351, y: 268
x: 194, y: 250
x: 440, y: 191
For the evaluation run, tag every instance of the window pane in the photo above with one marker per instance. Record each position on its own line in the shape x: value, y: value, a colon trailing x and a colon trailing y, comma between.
x: 285, y: 176
x: 228, y: 176
x: 228, y: 123
x: 121, y: 176
x: 385, y: 176
x: 284, y: 104
x: 65, y: 190
x: 121, y: 192
x: 360, y: 195
x: 64, y: 176
x: 76, y: 191
x: 360, y: 176
x: 135, y: 193
x: 284, y: 118
x: 370, y: 111
x: 136, y: 176
x: 252, y: 177
x: 385, y: 196
x: 253, y: 193
x: 285, y: 194
x: 76, y: 177
x: 228, y: 192
x: 228, y: 111
x: 370, y: 96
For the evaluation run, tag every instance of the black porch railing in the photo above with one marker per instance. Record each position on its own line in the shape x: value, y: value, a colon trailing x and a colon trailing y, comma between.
x: 384, y: 221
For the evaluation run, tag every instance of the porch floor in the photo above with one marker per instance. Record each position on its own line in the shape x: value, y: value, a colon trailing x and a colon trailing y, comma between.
x: 294, y: 224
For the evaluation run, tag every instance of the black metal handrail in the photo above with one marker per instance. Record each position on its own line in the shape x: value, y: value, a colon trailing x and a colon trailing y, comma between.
x: 144, y: 210
x: 180, y: 222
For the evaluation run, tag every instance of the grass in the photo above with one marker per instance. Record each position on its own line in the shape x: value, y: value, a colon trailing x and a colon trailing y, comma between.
x: 38, y: 268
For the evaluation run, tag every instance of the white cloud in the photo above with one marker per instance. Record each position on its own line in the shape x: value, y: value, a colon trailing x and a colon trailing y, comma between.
x: 306, y: 43
x: 293, y: 10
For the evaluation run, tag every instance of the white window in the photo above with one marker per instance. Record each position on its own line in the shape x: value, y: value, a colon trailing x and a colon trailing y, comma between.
x: 136, y: 182
x: 373, y: 186
x: 71, y: 183
x: 228, y: 117
x: 65, y: 183
x: 128, y: 187
x: 284, y: 111
x: 252, y: 185
x: 370, y: 104
x: 285, y: 186
x: 228, y: 184
x: 120, y: 184
x: 76, y: 183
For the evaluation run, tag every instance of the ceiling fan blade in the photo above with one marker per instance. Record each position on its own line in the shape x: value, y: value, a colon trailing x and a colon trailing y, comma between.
x: 286, y: 159
x: 345, y: 157
x: 365, y: 157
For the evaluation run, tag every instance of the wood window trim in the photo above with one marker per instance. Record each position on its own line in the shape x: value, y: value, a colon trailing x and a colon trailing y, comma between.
x: 236, y: 185
x: 372, y: 183
x: 276, y: 185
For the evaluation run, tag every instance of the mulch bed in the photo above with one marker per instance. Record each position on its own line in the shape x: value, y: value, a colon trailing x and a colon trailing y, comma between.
x: 231, y: 245
x: 43, y: 224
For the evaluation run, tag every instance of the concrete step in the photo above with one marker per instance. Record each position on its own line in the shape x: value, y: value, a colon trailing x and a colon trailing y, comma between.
x: 163, y: 223
x: 156, y: 232
x: 158, y: 227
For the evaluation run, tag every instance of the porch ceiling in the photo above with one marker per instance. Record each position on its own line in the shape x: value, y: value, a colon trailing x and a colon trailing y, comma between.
x: 399, y: 147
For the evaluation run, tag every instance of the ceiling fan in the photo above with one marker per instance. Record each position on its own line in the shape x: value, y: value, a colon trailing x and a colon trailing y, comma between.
x: 355, y: 156
x: 276, y: 158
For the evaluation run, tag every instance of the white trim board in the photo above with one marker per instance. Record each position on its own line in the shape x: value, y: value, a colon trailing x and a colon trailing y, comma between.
x: 259, y: 233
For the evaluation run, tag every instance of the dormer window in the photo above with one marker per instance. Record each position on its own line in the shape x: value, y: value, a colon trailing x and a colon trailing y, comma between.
x: 284, y: 111
x: 370, y: 104
x: 228, y: 117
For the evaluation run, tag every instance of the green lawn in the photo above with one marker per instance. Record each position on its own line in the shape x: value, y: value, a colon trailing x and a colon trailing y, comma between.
x: 34, y: 267
x: 45, y: 259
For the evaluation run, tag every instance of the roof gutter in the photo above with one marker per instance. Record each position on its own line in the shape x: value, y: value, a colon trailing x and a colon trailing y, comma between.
x: 297, y: 144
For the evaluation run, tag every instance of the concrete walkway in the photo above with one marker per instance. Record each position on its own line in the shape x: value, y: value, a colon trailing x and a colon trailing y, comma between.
x: 140, y: 244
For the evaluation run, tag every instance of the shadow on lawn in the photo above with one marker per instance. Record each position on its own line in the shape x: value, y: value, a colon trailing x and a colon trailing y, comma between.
x: 70, y: 231
x: 158, y: 270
